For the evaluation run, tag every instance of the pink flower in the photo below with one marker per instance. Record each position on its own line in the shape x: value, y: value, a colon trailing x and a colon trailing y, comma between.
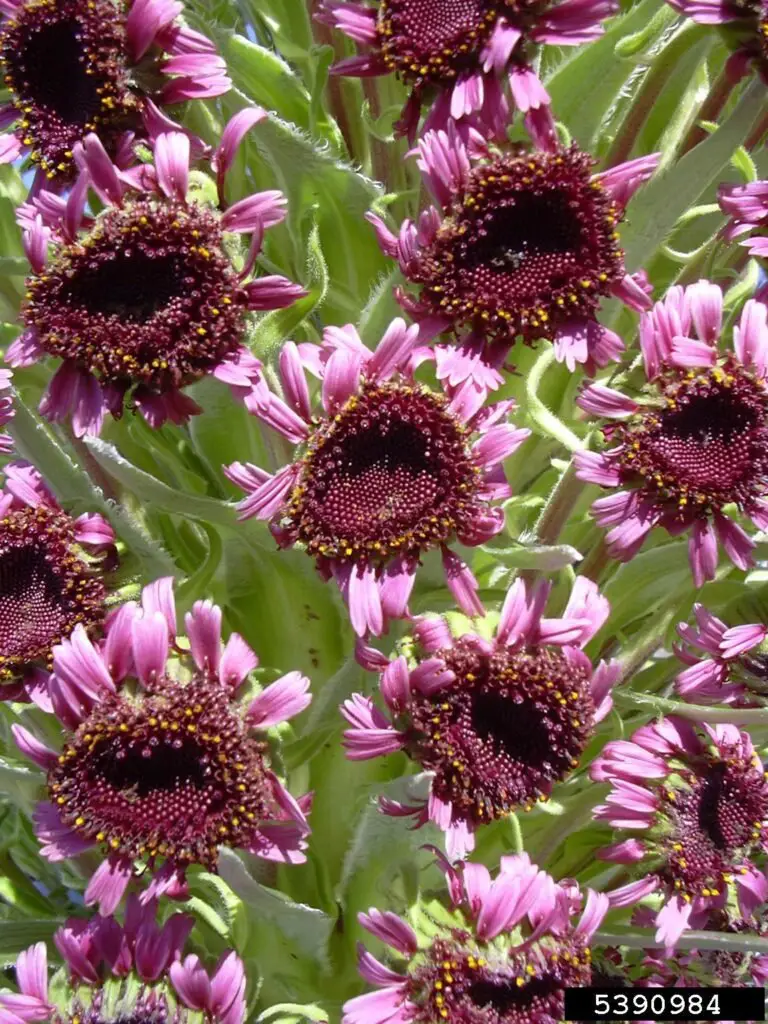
x: 695, y: 442
x: 747, y: 206
x: 144, y: 300
x: 519, y: 245
x: 516, y: 930
x: 734, y: 671
x: 694, y: 803
x: 144, y: 962
x: 167, y: 775
x: 51, y: 567
x: 495, y: 723
x: 386, y: 470
x: 77, y: 66
x: 473, y: 57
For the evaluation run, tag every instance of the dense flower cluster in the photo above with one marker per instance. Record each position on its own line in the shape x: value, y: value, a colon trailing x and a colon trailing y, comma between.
x: 387, y: 470
x: 696, y: 806
x: 464, y: 59
x: 125, y: 972
x: 516, y: 942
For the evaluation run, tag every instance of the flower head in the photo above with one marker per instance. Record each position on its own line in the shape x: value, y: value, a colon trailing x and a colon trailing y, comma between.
x: 79, y: 66
x: 165, y: 770
x: 696, y: 441
x: 464, y: 59
x: 125, y: 973
x: 386, y: 470
x: 522, y: 244
x: 690, y: 807
x: 6, y: 410
x: 745, y: 29
x: 747, y: 206
x: 145, y: 299
x: 504, y: 954
x: 50, y: 583
x: 735, y: 667
x: 495, y: 723
x: 713, y: 967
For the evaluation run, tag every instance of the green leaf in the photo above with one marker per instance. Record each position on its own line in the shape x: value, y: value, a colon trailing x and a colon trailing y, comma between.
x: 695, y: 712
x: 293, y: 927
x: 595, y: 72
x: 16, y: 936
x: 72, y: 486
x: 541, y: 557
x: 267, y: 79
x: 292, y: 1013
x: 656, y: 208
x: 153, y: 491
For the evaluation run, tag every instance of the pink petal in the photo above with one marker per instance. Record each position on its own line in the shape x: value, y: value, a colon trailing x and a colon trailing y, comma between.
x: 285, y: 698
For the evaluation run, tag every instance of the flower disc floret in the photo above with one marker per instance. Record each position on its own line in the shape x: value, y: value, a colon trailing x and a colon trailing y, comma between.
x: 697, y: 804
x: 161, y: 763
x: 172, y: 776
x: 510, y: 725
x: 481, y: 962
x: 430, y: 42
x: 79, y: 66
x: 706, y: 442
x: 65, y: 65
x: 49, y: 578
x: 391, y: 474
x: 692, y: 444
x: 463, y: 981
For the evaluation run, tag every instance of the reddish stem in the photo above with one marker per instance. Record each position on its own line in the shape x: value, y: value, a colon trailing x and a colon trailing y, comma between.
x: 718, y: 94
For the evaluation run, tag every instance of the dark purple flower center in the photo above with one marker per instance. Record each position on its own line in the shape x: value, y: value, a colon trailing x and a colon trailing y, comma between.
x: 173, y: 775
x: 432, y: 41
x: 707, y: 447
x: 465, y: 984
x: 148, y: 298
x: 531, y: 243
x: 65, y: 64
x: 714, y: 823
x: 391, y: 473
x: 512, y: 724
x: 45, y: 588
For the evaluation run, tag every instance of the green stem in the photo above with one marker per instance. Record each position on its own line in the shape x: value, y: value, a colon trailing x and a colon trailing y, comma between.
x: 596, y: 561
x: 646, y: 97
x: 716, y: 99
x: 695, y: 712
x: 540, y: 415
x: 690, y: 940
x: 559, y: 506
